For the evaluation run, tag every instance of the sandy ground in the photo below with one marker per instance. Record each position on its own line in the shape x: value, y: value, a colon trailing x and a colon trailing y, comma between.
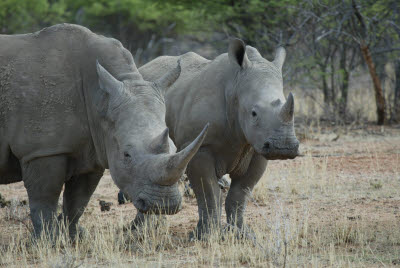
x: 353, y: 180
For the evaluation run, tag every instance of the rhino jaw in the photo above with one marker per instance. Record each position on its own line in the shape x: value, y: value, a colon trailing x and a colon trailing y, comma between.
x: 276, y: 150
x: 149, y: 206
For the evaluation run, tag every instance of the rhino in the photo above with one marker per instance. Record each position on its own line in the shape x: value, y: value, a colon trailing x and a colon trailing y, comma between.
x: 72, y: 104
x: 241, y: 95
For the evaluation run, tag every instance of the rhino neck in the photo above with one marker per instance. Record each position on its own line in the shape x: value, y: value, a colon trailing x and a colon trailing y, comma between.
x: 101, y: 128
x: 228, y: 81
x: 96, y: 128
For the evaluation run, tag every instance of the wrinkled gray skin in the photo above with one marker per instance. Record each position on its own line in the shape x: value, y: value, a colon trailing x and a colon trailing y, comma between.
x: 64, y: 119
x: 241, y: 94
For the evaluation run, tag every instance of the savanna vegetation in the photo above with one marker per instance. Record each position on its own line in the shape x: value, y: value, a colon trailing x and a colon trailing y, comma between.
x: 331, y: 44
x: 338, y: 205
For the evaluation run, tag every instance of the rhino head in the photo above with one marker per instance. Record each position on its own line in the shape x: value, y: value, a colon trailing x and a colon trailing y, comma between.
x: 142, y: 158
x: 265, y: 117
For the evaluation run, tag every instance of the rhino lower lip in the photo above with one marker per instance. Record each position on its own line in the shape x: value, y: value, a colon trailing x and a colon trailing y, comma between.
x: 163, y: 210
x: 279, y: 154
x: 146, y: 208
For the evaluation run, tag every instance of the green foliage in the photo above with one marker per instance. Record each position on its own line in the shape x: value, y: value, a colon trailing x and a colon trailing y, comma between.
x: 265, y: 23
x: 143, y: 15
x: 320, y: 35
x: 19, y: 16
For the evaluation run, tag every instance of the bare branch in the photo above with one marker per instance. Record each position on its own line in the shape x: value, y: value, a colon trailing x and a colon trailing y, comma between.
x: 384, y: 50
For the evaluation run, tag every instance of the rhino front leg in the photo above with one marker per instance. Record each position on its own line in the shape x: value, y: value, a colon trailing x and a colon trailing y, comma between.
x: 241, y: 187
x: 43, y: 179
x: 77, y: 193
x: 201, y: 173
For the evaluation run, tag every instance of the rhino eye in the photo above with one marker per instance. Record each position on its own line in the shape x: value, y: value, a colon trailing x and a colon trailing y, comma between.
x: 253, y: 113
x: 127, y: 155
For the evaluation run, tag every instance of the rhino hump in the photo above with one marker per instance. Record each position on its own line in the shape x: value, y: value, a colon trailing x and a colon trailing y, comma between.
x: 47, y: 80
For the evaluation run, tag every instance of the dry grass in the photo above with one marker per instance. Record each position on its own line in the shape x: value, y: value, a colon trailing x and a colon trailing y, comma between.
x: 338, y: 206
x: 361, y: 106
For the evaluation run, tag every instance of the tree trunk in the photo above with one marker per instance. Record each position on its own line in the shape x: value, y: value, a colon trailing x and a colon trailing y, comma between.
x: 332, y: 95
x: 345, y: 92
x: 344, y: 85
x: 396, y: 104
x: 379, y: 97
x: 325, y: 88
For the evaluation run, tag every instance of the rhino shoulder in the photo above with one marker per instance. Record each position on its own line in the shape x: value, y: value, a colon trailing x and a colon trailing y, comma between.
x: 192, y: 57
x: 159, y: 63
x: 109, y: 51
x: 73, y: 31
x: 113, y: 56
x: 191, y: 61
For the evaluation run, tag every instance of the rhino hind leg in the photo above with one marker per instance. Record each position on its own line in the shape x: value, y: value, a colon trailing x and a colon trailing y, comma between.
x: 238, y: 194
x: 204, y: 181
x: 77, y: 193
x: 43, y: 179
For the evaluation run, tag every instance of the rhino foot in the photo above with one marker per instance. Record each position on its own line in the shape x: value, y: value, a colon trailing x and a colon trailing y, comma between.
x: 205, y: 232
x: 150, y: 221
x: 80, y: 234
x: 196, y: 234
x: 75, y: 230
x: 245, y: 232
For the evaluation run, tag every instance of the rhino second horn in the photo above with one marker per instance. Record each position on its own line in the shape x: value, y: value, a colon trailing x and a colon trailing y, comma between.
x: 287, y: 110
x: 177, y: 163
x: 160, y: 143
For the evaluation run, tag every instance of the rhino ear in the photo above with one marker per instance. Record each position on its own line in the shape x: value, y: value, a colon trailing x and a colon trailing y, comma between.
x: 280, y: 56
x: 110, y: 94
x: 237, y: 53
x: 169, y: 78
x: 108, y: 83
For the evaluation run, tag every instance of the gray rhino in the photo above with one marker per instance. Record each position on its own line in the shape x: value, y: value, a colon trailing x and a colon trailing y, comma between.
x: 241, y: 94
x: 64, y: 120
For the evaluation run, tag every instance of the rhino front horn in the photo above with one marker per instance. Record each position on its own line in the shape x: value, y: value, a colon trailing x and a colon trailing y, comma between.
x: 287, y: 110
x: 177, y: 163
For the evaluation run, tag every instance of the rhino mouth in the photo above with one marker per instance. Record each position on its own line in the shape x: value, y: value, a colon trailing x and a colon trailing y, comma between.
x: 162, y: 200
x: 276, y: 151
x: 146, y: 207
x: 280, y: 154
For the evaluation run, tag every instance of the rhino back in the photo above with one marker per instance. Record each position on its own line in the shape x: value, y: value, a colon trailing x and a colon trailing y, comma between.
x: 197, y: 98
x: 47, y: 80
x: 191, y: 99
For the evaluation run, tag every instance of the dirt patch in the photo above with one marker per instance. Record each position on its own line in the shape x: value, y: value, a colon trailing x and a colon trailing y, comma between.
x: 341, y: 201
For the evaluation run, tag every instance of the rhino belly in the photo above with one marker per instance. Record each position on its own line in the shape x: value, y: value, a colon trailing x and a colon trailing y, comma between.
x: 10, y: 170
